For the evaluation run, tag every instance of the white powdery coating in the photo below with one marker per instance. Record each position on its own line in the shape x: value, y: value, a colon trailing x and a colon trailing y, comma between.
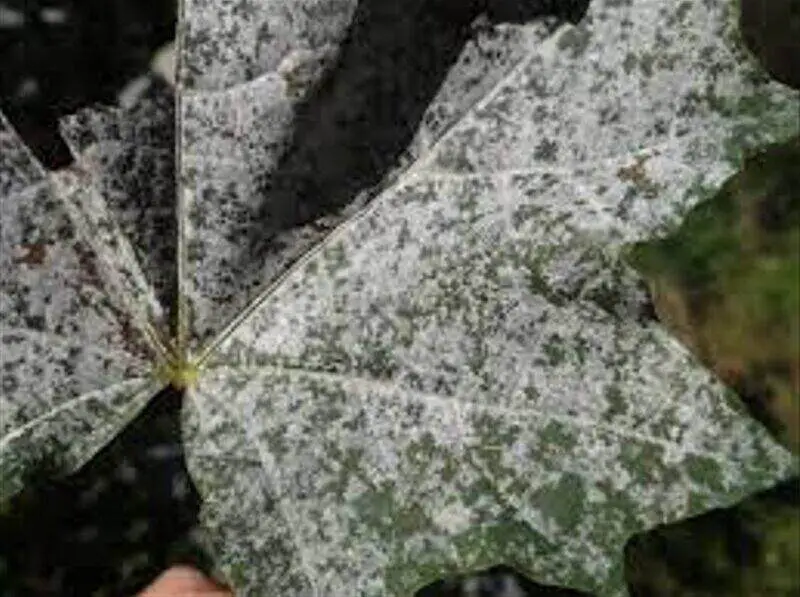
x: 229, y: 42
x: 222, y: 157
x: 235, y: 137
x: 621, y: 86
x: 468, y: 350
x: 236, y: 59
x: 125, y: 157
x: 74, y: 359
x: 404, y: 333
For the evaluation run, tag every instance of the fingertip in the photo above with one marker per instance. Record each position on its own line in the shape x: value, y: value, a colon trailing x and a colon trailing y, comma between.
x: 184, y: 581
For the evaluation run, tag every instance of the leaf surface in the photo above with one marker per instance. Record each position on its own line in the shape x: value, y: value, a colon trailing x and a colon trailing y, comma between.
x: 75, y: 356
x: 419, y: 350
x: 129, y: 157
x: 459, y: 375
x: 288, y: 130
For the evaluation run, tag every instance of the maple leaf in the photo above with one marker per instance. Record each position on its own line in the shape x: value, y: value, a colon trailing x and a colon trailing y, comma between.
x: 448, y: 373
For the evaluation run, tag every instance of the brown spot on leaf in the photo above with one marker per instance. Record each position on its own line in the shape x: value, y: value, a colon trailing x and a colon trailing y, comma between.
x: 35, y: 254
x: 636, y: 174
